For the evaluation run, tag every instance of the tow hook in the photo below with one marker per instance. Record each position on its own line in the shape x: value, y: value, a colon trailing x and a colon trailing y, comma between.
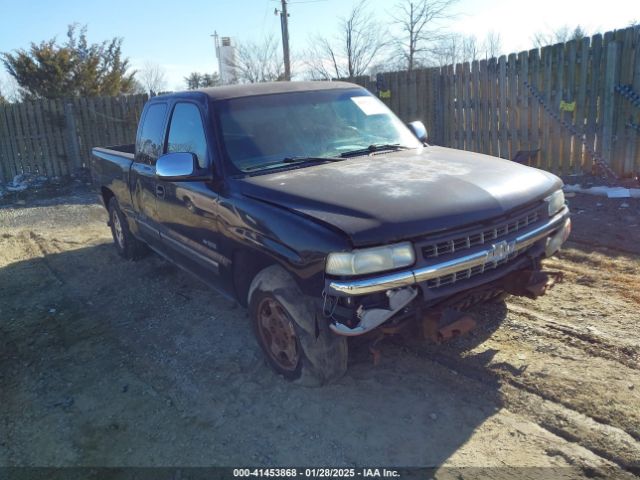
x: 374, y: 317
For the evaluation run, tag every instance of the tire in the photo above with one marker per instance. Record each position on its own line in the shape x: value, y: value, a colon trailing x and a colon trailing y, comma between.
x: 128, y: 246
x: 295, y: 339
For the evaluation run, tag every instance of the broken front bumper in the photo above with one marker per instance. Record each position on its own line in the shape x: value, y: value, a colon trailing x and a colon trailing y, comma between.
x: 555, y: 231
x: 519, y: 274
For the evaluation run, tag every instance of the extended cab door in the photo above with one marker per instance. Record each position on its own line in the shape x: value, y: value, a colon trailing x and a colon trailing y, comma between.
x: 149, y: 143
x: 187, y: 210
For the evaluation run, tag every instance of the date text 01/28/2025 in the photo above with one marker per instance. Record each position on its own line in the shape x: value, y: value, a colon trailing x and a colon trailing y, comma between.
x: 315, y: 473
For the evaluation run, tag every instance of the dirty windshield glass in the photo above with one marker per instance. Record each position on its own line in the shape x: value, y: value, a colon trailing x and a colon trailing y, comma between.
x: 271, y: 131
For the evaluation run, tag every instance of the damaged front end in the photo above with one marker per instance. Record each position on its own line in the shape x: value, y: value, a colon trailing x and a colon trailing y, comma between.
x: 451, y: 274
x: 371, y: 318
x: 441, y: 321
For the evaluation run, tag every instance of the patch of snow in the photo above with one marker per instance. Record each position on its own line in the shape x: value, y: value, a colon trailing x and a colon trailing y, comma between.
x: 604, y: 191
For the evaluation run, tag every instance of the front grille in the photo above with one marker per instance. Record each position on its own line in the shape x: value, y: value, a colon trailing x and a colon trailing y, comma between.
x: 479, y: 237
x: 471, y: 272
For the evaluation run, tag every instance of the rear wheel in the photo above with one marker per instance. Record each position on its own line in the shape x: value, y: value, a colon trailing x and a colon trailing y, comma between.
x: 296, y: 342
x: 126, y: 244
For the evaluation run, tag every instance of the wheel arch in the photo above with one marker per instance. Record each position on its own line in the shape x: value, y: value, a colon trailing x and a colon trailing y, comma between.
x: 106, y: 195
x: 246, y: 265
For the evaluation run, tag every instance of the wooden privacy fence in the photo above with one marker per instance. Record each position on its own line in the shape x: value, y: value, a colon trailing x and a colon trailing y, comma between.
x: 53, y: 138
x: 577, y: 102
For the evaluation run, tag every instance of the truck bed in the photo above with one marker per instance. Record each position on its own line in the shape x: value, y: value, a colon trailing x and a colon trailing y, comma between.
x: 111, y: 169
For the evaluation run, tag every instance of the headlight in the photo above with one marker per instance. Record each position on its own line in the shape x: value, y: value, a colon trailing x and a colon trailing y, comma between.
x: 369, y: 260
x: 555, y: 202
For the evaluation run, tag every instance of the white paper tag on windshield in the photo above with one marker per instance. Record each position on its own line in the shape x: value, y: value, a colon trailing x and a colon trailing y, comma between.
x: 369, y: 105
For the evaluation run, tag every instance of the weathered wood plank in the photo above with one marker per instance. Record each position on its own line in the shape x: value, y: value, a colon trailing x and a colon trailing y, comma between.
x: 43, y: 140
x: 545, y: 112
x: 448, y: 106
x: 477, y: 110
x: 503, y: 122
x: 524, y: 121
x: 494, y: 117
x: 625, y: 136
x: 512, y: 104
x: 15, y: 129
x: 466, y: 107
x: 634, y: 146
x: 8, y: 146
x: 395, y: 93
x: 62, y: 164
x: 612, y: 63
x: 437, y: 83
x: 29, y: 155
x: 481, y: 108
x: 581, y: 107
x: 557, y: 132
x: 534, y: 104
x: 593, y: 99
x: 567, y: 116
x: 458, y: 141
x: 412, y: 96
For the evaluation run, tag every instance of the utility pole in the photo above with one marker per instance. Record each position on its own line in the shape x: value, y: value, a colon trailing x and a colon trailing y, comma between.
x: 284, y: 23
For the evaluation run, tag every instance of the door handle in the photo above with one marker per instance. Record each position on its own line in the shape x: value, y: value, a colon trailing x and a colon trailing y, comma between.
x: 160, y: 191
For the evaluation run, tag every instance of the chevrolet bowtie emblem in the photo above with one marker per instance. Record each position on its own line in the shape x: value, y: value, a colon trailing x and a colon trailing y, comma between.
x: 501, y: 250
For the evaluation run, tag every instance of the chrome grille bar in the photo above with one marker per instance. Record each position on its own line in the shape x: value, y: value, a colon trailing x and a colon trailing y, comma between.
x: 445, y: 247
x: 476, y: 262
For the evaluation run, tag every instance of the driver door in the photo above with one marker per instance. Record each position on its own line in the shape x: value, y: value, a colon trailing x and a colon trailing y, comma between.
x: 187, y: 210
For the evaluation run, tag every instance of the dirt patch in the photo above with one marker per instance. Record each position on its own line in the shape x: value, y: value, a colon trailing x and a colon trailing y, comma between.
x: 107, y: 362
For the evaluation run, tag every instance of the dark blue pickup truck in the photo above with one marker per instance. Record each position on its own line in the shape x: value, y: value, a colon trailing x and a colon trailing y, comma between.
x: 317, y: 208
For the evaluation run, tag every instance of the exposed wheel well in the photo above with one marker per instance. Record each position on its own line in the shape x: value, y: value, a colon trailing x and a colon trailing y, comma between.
x: 107, y: 195
x: 246, y: 265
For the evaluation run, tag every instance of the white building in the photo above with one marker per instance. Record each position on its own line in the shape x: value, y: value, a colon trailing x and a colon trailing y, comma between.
x: 226, y: 55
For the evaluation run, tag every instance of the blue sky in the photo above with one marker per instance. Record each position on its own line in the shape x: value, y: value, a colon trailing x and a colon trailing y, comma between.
x: 176, y: 35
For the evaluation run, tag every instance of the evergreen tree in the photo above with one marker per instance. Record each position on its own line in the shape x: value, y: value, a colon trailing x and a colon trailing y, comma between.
x: 75, y: 68
x: 200, y: 80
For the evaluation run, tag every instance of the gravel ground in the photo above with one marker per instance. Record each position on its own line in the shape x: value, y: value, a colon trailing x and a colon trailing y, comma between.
x: 105, y: 362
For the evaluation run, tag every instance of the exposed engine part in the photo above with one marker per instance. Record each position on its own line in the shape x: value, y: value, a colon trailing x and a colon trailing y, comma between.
x: 374, y: 317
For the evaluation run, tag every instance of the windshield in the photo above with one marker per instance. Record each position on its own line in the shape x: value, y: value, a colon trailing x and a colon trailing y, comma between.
x: 271, y: 131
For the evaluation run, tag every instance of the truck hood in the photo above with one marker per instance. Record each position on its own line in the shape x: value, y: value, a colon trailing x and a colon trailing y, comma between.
x: 390, y: 197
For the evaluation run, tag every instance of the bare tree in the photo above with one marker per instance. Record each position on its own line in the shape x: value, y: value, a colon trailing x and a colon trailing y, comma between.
x: 560, y: 35
x: 418, y: 21
x: 492, y: 45
x: 255, y: 62
x: 360, y: 41
x: 455, y: 48
x: 321, y: 61
x: 470, y: 48
x: 152, y: 77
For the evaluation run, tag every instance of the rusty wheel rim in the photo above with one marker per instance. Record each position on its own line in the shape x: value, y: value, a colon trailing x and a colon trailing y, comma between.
x: 277, y: 334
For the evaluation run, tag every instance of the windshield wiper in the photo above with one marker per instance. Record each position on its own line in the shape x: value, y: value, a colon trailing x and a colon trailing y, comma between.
x: 287, y: 160
x: 310, y: 159
x: 374, y: 147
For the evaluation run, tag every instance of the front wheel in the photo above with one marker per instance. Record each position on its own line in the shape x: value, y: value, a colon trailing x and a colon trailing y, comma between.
x: 296, y: 342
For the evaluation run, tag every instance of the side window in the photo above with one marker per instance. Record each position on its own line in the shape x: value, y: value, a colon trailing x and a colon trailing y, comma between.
x: 149, y: 145
x: 186, y: 133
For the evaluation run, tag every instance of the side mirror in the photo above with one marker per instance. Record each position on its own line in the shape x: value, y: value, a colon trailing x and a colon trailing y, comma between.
x: 419, y: 130
x: 176, y: 166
